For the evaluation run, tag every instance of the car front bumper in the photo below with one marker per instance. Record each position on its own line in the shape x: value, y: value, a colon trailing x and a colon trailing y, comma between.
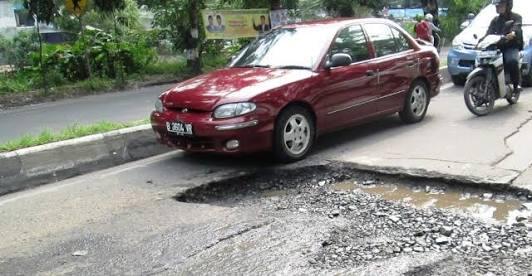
x: 461, y: 61
x: 211, y: 135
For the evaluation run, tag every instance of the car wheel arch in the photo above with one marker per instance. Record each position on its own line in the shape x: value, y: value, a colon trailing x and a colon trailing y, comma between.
x: 302, y: 104
x: 425, y: 81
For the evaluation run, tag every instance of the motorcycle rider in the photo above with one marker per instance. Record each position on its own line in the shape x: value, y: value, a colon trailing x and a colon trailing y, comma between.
x: 425, y: 29
x: 512, y: 43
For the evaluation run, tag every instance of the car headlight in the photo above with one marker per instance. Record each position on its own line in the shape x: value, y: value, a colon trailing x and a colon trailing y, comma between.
x: 457, y: 44
x: 233, y: 110
x: 159, y: 105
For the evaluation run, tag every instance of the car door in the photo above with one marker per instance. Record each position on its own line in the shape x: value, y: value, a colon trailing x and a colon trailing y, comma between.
x: 346, y: 93
x: 396, y: 63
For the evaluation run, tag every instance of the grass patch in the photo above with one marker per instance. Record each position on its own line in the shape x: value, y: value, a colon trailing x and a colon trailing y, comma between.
x: 73, y: 131
x: 213, y: 62
x: 167, y: 66
x: 17, y: 82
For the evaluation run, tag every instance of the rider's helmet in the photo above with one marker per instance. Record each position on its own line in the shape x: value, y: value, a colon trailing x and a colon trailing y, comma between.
x: 429, y: 17
x: 509, y: 3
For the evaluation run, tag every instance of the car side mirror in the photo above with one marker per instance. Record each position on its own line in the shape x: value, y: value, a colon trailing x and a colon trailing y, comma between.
x: 338, y: 60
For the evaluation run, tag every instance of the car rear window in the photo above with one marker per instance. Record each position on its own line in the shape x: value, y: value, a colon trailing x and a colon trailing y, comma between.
x: 401, y: 41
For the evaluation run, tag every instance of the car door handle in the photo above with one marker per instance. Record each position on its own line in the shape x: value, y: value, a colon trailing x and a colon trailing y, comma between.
x: 411, y: 64
x: 370, y: 73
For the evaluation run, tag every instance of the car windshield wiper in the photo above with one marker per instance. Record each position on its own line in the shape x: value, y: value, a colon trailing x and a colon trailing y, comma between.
x: 293, y: 67
x: 253, y: 66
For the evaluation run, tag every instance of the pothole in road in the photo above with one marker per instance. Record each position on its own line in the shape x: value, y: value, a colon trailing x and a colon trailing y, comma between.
x: 373, y: 219
x: 485, y: 206
x: 489, y: 206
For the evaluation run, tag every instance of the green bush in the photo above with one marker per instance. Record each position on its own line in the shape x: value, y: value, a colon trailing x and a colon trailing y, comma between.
x: 96, y: 84
x: 100, y: 50
x: 409, y: 27
x: 17, y: 82
x: 15, y: 51
x: 166, y: 67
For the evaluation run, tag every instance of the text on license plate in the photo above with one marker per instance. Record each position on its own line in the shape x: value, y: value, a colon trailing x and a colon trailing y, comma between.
x: 179, y: 128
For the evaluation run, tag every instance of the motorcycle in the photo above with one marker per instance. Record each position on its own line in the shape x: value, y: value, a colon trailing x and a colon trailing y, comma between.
x: 488, y: 81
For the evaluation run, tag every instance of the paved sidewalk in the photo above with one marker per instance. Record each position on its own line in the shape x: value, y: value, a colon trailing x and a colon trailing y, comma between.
x: 130, y: 105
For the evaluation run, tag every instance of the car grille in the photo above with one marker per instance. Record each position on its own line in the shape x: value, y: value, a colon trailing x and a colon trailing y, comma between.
x: 469, y: 46
x: 183, y: 110
x: 466, y: 63
x: 192, y: 143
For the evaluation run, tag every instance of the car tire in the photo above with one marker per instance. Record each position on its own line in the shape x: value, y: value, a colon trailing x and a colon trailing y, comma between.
x: 416, y: 103
x: 469, y: 96
x: 458, y: 80
x: 294, y: 134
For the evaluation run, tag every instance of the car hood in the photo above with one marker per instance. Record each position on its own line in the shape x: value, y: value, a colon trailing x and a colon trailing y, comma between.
x: 205, y: 92
x: 467, y: 36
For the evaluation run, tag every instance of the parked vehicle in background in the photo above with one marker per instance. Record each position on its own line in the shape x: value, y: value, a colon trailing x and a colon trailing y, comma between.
x: 462, y: 56
x: 290, y: 86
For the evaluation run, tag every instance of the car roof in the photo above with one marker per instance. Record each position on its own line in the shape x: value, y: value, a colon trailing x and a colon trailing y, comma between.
x: 337, y: 23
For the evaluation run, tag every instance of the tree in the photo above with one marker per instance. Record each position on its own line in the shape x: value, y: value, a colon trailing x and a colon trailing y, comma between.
x: 44, y: 11
x: 346, y: 8
x: 179, y: 20
x: 341, y: 8
x: 111, y: 7
x: 269, y: 4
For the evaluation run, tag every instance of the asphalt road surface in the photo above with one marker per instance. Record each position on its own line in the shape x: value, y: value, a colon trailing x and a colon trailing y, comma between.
x: 130, y: 105
x: 126, y: 220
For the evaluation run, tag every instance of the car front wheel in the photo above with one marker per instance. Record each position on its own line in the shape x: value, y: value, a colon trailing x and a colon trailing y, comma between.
x: 294, y: 134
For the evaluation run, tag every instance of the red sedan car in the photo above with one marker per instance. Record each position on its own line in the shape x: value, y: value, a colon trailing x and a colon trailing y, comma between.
x: 297, y: 82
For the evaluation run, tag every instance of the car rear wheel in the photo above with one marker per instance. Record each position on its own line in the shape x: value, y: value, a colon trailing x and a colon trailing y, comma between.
x: 458, y: 80
x: 294, y: 134
x: 416, y: 103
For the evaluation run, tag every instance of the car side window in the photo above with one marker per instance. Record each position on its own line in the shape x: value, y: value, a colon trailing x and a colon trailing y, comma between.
x: 401, y: 41
x: 352, y: 41
x: 382, y: 37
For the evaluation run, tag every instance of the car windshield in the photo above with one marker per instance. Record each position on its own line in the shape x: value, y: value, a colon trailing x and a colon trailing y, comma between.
x: 483, y: 19
x: 290, y: 48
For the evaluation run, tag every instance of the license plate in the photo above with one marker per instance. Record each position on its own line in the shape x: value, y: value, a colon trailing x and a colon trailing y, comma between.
x: 487, y: 54
x: 179, y: 128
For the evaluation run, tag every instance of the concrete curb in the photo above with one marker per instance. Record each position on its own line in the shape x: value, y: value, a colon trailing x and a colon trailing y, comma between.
x: 31, y: 167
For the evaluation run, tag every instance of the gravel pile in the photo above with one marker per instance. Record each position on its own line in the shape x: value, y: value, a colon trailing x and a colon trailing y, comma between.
x: 374, y: 229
